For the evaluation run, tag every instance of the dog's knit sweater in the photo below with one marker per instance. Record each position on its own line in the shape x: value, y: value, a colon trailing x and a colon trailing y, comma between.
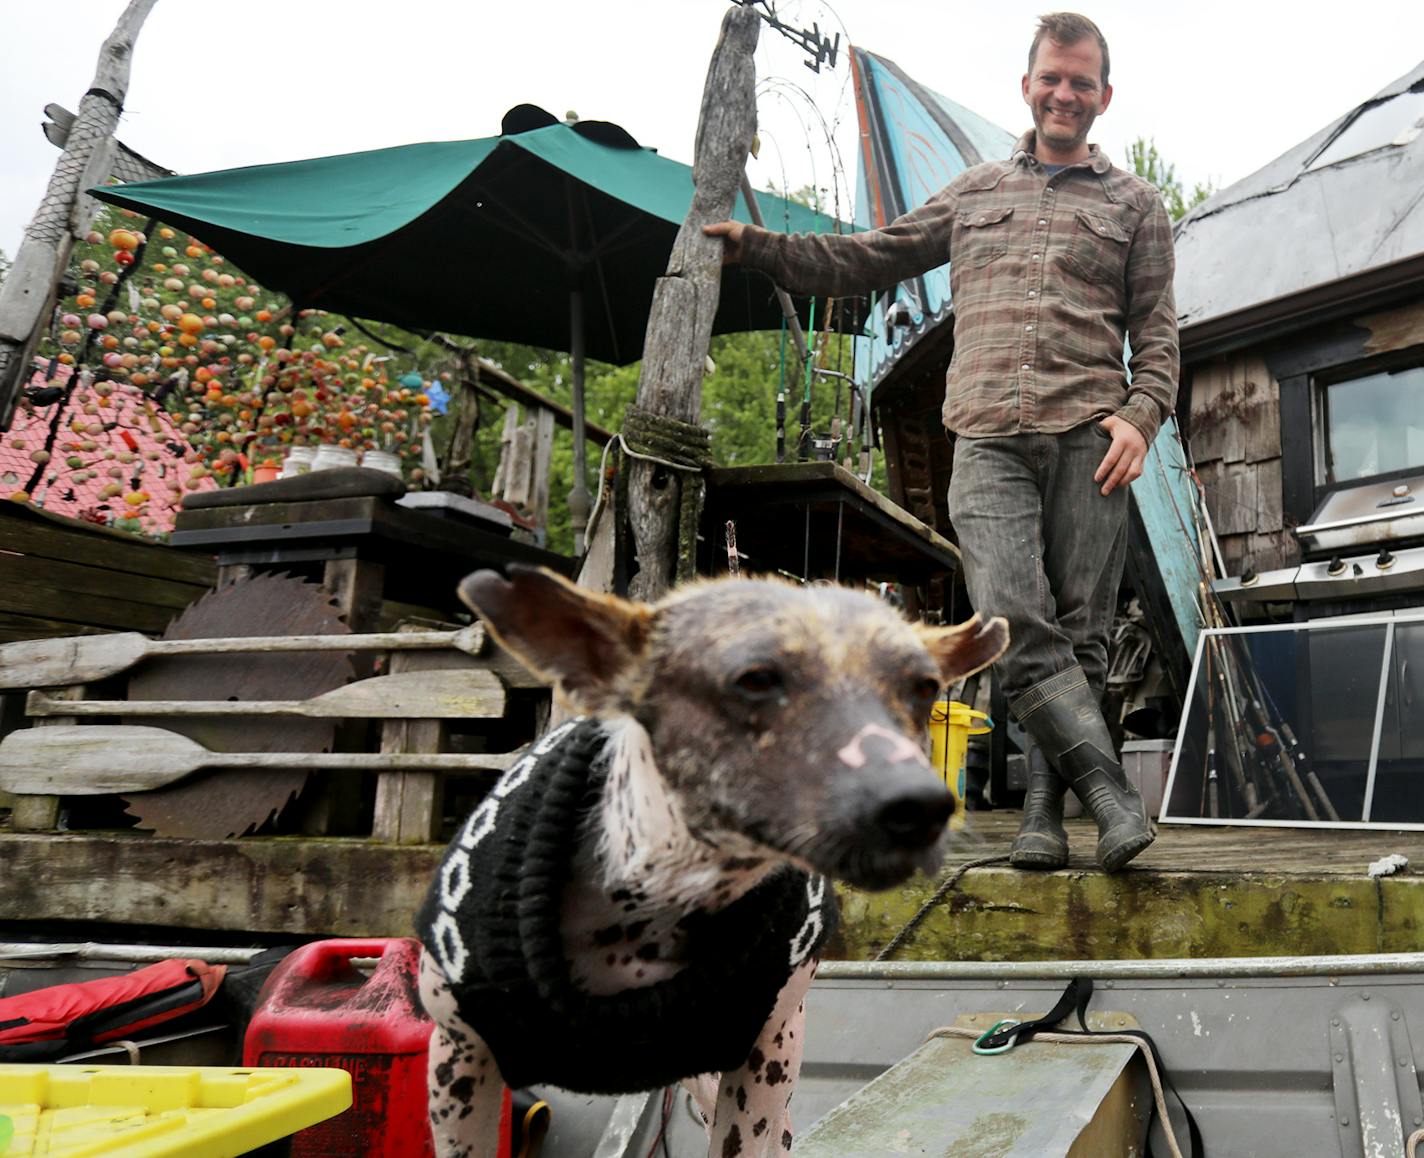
x: 491, y: 918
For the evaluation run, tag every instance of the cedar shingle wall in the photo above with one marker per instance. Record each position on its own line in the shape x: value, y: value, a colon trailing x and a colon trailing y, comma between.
x: 1235, y: 440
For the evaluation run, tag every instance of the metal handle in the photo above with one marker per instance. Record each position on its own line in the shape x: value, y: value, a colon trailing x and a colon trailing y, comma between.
x: 1406, y: 690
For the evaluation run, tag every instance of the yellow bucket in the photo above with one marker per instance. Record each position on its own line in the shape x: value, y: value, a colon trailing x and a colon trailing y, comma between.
x: 951, y: 725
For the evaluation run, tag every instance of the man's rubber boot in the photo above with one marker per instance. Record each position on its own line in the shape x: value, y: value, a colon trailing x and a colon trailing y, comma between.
x: 1041, y: 843
x: 1063, y: 716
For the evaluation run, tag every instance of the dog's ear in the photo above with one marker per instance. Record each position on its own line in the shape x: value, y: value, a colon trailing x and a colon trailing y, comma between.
x: 584, y: 641
x: 967, y: 647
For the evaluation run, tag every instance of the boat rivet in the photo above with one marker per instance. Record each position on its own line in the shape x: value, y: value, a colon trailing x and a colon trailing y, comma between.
x: 1404, y: 1061
x: 1335, y: 1021
x: 1344, y: 1121
x: 1123, y: 1021
x: 1221, y: 983
x: 1339, y: 1057
x: 1364, y: 996
x: 1107, y: 984
x: 1418, y: 1120
x: 1395, y: 1015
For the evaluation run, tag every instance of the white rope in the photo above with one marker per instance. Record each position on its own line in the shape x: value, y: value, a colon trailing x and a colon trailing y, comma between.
x: 1076, y: 1039
x: 603, y: 467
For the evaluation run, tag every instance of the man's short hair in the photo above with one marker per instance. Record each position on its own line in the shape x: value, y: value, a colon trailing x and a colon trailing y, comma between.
x: 1067, y: 28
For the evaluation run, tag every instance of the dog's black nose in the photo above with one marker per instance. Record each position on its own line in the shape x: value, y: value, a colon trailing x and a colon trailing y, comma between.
x: 915, y: 818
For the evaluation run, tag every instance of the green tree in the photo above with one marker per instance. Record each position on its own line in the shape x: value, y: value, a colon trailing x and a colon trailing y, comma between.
x: 1151, y: 166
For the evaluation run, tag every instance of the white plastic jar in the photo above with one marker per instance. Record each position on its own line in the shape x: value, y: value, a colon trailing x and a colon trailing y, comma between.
x: 382, y: 460
x: 298, y: 461
x: 329, y: 456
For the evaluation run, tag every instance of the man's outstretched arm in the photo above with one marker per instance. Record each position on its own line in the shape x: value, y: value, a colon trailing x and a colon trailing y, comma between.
x: 839, y: 265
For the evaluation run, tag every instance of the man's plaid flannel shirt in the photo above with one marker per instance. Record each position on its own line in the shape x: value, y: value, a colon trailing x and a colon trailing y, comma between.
x: 1047, y: 275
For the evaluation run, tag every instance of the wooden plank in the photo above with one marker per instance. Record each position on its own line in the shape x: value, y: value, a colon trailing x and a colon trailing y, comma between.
x: 1263, y: 431
x: 408, y: 803
x: 543, y: 452
x: 88, y: 581
x: 279, y: 514
x: 333, y: 887
x: 782, y: 481
x: 519, y: 468
x: 40, y: 813
x: 16, y: 628
x: 506, y: 437
x: 490, y: 375
x: 407, y: 695
x: 1269, y: 550
x: 1297, y: 451
x: 314, y: 486
x: 1394, y: 329
x: 1234, y: 508
x: 1269, y: 516
x: 88, y: 611
x: 115, y: 551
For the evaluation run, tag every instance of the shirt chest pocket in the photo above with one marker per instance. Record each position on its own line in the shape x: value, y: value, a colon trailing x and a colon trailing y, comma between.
x: 981, y: 236
x: 1097, y: 250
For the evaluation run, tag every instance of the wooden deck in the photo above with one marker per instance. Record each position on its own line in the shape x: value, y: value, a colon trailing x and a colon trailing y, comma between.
x: 1197, y: 892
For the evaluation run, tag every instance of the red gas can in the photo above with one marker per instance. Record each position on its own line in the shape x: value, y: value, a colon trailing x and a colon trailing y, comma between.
x: 318, y: 1009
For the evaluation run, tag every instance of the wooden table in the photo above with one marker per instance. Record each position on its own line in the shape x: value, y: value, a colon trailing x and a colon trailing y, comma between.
x: 365, y: 549
x: 816, y: 520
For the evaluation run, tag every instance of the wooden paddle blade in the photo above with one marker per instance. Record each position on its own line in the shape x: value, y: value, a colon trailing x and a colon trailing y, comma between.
x: 80, y: 761
x: 78, y: 659
x: 74, y: 659
x: 455, y: 694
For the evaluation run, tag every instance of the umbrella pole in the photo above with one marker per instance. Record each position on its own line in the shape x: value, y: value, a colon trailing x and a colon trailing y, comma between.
x: 579, y: 504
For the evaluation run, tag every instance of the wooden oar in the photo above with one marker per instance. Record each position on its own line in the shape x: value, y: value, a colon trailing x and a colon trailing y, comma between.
x: 78, y: 659
x: 87, y: 760
x: 457, y: 694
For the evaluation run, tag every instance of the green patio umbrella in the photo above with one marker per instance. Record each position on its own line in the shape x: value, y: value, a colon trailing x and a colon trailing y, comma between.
x: 511, y: 238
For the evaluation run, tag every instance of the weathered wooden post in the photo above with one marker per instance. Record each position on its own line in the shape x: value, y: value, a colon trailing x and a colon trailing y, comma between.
x: 27, y: 296
x: 664, y: 504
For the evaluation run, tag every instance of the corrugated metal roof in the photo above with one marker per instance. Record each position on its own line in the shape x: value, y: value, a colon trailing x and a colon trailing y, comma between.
x: 1346, y: 200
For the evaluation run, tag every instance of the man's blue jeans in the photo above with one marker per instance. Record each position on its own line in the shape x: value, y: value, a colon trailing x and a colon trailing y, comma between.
x: 1043, y: 547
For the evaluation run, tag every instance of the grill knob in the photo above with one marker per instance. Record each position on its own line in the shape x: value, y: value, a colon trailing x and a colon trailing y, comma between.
x: 1384, y: 561
x: 1337, y: 566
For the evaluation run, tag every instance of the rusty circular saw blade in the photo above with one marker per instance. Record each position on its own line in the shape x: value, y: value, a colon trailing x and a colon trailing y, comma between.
x: 219, y: 803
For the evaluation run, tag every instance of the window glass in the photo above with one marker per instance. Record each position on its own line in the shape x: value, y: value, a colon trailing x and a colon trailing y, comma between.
x: 1304, y: 724
x: 1374, y: 424
x: 1392, y: 122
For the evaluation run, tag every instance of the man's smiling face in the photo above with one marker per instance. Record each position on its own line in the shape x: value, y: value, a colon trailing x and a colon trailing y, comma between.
x: 1065, y: 92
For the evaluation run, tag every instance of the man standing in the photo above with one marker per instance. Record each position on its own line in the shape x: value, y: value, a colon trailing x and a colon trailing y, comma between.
x: 1056, y: 256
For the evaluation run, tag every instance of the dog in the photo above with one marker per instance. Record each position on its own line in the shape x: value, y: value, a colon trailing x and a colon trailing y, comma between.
x: 642, y: 898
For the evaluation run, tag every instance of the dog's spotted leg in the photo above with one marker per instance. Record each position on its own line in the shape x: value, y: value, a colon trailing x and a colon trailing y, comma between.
x: 753, y: 1118
x: 465, y: 1085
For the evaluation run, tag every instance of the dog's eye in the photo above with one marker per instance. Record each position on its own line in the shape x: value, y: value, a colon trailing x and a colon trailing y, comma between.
x: 759, y: 683
x: 925, y: 692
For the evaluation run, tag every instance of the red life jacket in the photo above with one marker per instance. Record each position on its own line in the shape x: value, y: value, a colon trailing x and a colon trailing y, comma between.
x: 64, y: 1019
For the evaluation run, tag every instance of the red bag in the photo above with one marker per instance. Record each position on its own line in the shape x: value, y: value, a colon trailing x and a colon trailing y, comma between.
x: 64, y: 1019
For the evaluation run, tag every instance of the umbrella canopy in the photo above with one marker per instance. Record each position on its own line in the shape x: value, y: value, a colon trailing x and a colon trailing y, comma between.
x: 487, y: 238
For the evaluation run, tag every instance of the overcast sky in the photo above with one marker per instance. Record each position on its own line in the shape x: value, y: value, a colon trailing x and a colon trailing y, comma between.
x: 1223, y: 86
